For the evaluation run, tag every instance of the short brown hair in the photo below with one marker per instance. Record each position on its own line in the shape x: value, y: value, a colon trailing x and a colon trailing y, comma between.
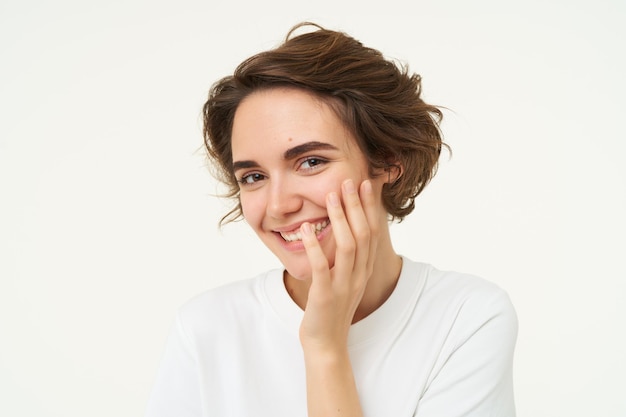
x: 378, y: 101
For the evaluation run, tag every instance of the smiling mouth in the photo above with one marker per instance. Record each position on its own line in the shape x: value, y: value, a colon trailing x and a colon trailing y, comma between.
x: 296, y: 236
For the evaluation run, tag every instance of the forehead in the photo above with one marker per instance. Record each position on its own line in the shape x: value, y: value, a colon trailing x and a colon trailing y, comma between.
x: 286, y: 117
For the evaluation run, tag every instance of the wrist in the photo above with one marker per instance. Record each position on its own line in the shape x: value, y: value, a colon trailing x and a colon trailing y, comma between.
x: 325, y: 355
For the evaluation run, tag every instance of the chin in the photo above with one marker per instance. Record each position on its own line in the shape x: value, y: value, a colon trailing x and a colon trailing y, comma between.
x: 302, y: 271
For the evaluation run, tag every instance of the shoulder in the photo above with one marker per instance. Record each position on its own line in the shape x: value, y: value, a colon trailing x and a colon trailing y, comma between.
x: 467, y: 300
x: 455, y: 287
x: 227, y: 304
x: 470, y: 327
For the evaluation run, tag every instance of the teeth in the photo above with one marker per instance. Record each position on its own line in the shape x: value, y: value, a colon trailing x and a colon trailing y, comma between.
x: 290, y: 237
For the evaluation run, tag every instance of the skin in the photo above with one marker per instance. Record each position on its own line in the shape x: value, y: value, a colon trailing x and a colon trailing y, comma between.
x: 310, y: 171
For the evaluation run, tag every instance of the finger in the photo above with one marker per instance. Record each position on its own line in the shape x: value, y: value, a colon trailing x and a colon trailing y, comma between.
x: 344, y: 241
x: 359, y: 226
x: 372, y: 213
x: 320, y: 273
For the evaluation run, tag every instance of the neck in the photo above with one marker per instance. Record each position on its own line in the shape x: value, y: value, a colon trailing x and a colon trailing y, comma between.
x: 381, y: 284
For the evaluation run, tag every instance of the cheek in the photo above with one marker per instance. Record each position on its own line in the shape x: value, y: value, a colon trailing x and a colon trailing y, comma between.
x: 251, y: 209
x: 317, y: 192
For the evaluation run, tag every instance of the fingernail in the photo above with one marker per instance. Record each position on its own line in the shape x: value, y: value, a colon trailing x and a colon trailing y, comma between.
x: 307, y: 229
x: 333, y: 199
x: 367, y: 186
x: 348, y: 186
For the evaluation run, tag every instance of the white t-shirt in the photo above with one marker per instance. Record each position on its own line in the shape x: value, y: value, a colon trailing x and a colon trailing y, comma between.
x: 440, y: 346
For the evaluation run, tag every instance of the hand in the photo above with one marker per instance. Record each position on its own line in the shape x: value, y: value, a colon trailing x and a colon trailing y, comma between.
x: 335, y: 293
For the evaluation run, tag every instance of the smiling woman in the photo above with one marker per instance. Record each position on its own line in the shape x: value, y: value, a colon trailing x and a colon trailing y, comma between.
x: 307, y: 153
x: 323, y: 142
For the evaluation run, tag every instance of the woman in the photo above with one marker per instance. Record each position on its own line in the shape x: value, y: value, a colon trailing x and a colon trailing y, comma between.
x: 322, y: 142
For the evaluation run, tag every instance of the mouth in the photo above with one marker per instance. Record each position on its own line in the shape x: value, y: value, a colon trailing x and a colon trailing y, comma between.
x: 295, y: 235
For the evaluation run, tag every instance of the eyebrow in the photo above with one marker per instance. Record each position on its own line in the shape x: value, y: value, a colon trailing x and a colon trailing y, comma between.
x: 296, y: 151
x: 290, y: 153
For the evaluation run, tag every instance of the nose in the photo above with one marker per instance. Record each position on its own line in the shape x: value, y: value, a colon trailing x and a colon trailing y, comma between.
x: 284, y: 198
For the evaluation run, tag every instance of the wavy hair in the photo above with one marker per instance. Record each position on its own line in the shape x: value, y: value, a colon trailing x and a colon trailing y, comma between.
x: 378, y: 100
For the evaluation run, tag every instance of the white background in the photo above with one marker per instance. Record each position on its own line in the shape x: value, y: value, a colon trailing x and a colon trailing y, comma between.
x: 108, y: 224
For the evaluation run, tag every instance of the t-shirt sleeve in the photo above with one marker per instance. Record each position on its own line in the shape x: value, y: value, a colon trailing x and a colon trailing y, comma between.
x: 475, y: 376
x: 176, y: 392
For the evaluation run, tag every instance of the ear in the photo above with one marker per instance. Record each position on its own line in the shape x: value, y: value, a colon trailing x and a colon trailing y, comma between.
x: 393, y: 171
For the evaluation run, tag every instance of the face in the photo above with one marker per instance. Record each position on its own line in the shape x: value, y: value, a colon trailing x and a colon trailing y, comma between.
x: 289, y: 151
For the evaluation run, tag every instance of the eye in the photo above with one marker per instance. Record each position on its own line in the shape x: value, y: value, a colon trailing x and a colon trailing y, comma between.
x: 311, y: 162
x: 249, y: 179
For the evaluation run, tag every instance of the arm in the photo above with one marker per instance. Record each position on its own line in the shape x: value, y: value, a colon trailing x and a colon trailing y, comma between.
x: 334, y: 296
